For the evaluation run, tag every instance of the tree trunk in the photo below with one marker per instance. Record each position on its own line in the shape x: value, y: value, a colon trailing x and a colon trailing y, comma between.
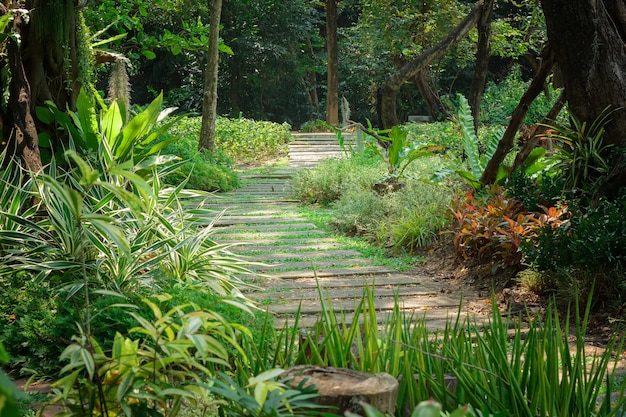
x: 389, y: 89
x: 588, y: 39
x: 233, y: 88
x: 209, y: 100
x: 343, y: 389
x: 332, y: 93
x: 483, y: 53
x: 23, y: 133
x: 434, y: 104
x: 517, y: 118
x: 539, y: 132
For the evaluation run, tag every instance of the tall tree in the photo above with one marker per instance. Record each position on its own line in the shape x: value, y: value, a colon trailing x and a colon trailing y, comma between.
x: 46, y: 59
x: 588, y: 37
x: 483, y: 53
x: 389, y: 90
x: 209, y: 101
x: 332, y: 93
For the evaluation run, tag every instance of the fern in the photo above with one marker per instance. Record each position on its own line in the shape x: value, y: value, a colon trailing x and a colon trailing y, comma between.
x: 469, y: 138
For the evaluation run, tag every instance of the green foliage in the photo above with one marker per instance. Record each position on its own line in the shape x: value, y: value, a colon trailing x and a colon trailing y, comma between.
x: 398, y: 153
x: 405, y: 220
x: 155, y: 371
x: 316, y: 126
x: 243, y: 140
x: 200, y: 170
x: 599, y: 227
x: 500, y: 99
x: 476, y: 161
x: 34, y: 323
x: 269, y: 397
x: 582, y: 156
x: 326, y: 182
x: 9, y: 394
x: 501, y: 368
x: 106, y: 228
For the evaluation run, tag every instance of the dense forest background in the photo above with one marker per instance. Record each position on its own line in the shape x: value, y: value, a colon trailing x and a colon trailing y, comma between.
x: 277, y: 69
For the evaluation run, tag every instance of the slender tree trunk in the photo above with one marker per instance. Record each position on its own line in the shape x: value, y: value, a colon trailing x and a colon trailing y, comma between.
x: 539, y: 132
x: 332, y: 94
x: 310, y: 80
x: 389, y: 90
x: 209, y: 100
x: 483, y: 53
x: 430, y: 96
x: 233, y: 88
x: 517, y: 118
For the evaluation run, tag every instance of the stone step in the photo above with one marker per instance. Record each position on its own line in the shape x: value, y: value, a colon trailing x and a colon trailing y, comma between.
x: 314, y: 265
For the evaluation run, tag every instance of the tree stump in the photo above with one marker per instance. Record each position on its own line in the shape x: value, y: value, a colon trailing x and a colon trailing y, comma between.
x: 343, y: 389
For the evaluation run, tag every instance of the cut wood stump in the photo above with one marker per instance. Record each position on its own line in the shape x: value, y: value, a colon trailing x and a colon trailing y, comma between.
x: 343, y: 389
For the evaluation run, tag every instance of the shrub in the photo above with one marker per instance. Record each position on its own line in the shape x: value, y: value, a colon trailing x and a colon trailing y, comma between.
x: 201, y: 170
x: 594, y: 239
x: 406, y: 219
x: 243, y: 140
x: 326, y: 182
x: 493, y: 228
x: 500, y: 99
x: 316, y: 126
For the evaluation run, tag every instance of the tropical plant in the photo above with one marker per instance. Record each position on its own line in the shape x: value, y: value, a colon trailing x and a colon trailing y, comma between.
x: 395, y: 150
x: 105, y: 227
x: 497, y: 227
x: 269, y: 397
x: 582, y: 156
x: 501, y: 368
x: 152, y: 374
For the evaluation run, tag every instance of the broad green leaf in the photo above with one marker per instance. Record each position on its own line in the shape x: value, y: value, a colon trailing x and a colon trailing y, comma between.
x: 148, y: 54
x: 88, y: 120
x: 44, y: 114
x: 111, y: 123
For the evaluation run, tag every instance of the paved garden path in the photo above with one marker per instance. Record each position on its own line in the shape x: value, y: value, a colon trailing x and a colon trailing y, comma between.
x: 300, y: 259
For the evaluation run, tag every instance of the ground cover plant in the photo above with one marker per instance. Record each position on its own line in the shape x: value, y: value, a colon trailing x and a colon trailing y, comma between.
x: 238, y: 141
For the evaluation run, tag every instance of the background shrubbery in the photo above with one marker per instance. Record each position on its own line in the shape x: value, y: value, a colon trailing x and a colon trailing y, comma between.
x: 238, y: 141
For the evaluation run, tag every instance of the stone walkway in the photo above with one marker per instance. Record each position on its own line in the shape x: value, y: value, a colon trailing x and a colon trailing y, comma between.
x: 298, y: 257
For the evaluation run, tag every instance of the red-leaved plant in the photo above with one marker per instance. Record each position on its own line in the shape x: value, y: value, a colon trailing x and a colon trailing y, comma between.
x: 493, y: 229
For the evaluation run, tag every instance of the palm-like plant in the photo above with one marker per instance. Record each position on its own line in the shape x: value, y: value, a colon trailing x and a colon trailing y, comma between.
x: 582, y: 155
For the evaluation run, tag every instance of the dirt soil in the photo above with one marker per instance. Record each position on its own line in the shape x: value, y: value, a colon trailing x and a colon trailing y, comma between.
x: 484, y: 281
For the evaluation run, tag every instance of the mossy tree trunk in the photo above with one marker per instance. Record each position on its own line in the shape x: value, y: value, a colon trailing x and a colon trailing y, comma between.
x: 45, y: 63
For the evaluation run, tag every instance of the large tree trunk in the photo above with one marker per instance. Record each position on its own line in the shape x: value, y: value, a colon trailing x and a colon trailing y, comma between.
x: 209, y: 100
x: 517, y: 118
x: 588, y: 39
x: 430, y: 96
x: 389, y: 90
x: 19, y: 123
x: 483, y: 52
x: 332, y: 93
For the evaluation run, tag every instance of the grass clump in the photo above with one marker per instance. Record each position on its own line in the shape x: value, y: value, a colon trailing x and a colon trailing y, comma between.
x: 404, y: 220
